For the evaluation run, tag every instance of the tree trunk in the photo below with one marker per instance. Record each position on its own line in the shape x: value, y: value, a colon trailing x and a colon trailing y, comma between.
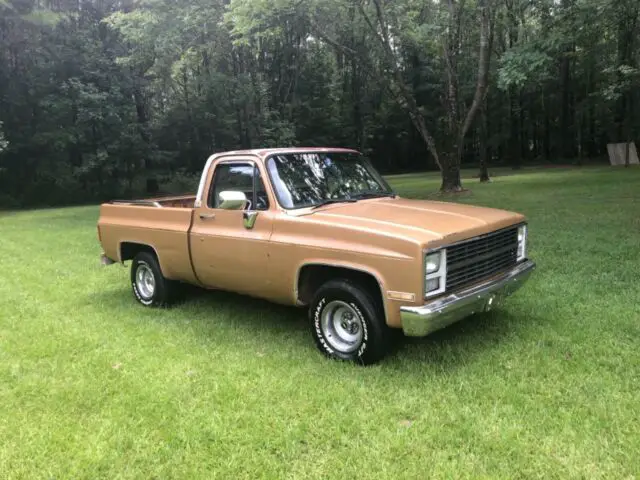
x: 628, y: 128
x: 523, y: 140
x: 356, y: 91
x: 566, y: 127
x: 513, y: 143
x: 579, y: 137
x: 514, y: 128
x: 484, y: 147
x: 143, y: 126
x: 458, y: 129
x: 567, y: 112
x: 547, y: 133
x: 451, y: 181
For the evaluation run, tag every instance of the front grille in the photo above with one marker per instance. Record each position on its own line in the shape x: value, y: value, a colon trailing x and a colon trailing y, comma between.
x: 481, y: 257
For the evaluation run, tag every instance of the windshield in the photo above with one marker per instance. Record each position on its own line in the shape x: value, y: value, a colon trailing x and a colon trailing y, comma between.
x: 310, y: 179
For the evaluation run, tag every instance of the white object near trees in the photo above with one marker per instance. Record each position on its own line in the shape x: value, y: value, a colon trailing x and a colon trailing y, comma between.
x: 618, y: 153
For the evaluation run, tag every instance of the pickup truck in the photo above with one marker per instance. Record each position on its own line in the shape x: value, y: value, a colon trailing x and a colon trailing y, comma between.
x: 320, y: 228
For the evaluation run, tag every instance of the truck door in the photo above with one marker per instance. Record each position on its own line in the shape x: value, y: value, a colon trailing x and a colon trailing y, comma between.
x: 231, y: 229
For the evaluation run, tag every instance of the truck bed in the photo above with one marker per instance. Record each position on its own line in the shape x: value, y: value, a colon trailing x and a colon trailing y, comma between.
x: 163, y: 222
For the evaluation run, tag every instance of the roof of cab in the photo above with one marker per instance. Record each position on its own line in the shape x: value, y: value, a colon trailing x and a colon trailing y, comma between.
x: 263, y: 153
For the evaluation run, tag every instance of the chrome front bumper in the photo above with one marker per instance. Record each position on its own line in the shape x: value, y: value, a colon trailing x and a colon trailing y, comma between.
x: 420, y: 321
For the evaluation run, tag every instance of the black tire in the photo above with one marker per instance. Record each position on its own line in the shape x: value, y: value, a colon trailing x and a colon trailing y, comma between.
x: 365, y: 326
x: 163, y: 290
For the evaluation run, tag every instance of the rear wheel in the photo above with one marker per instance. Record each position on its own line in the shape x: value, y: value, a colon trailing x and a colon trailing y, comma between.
x: 348, y: 323
x: 149, y: 285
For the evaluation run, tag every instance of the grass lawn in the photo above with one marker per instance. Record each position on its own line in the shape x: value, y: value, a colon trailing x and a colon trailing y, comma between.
x: 92, y: 385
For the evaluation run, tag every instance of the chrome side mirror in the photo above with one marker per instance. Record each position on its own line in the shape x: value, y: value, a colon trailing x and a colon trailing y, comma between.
x: 232, y: 200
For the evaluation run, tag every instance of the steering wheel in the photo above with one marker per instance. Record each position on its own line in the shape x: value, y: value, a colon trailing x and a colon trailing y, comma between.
x: 261, y: 203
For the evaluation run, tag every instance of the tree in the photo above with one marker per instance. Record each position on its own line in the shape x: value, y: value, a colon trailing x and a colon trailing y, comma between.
x: 109, y: 98
x: 459, y: 119
x: 386, y: 23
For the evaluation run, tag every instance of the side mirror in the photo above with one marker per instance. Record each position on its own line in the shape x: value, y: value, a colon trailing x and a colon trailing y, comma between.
x: 232, y: 200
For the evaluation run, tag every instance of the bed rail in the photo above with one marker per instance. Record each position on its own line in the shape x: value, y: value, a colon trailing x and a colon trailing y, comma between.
x: 141, y: 203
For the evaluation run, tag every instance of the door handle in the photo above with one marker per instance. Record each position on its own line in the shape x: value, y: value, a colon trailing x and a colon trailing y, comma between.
x: 207, y: 216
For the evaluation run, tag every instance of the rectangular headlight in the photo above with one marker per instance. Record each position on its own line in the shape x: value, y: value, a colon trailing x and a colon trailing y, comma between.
x: 522, y: 242
x: 435, y: 273
x: 432, y: 264
x: 432, y: 284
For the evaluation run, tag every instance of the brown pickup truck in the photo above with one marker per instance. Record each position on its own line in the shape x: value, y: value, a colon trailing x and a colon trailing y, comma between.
x: 320, y: 228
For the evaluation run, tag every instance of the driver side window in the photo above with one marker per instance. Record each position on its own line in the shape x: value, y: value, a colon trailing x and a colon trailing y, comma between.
x: 239, y: 177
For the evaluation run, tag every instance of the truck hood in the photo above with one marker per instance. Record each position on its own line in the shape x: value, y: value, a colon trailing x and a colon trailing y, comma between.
x: 431, y: 222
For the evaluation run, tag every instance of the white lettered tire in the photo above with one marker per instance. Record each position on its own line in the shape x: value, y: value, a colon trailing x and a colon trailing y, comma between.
x: 149, y: 286
x: 348, y: 324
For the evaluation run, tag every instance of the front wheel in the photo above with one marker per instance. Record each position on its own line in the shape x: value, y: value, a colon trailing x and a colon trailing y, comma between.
x: 149, y: 285
x: 348, y: 324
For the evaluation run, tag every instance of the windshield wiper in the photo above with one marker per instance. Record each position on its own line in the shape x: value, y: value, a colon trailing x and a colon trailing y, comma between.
x: 375, y: 195
x: 334, y: 200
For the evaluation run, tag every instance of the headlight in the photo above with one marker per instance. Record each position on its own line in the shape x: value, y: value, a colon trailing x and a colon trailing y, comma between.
x: 435, y: 273
x: 432, y: 284
x: 522, y: 242
x: 433, y: 262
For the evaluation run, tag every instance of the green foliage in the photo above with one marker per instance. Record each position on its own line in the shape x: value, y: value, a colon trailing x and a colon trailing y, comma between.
x: 100, y: 101
x: 250, y: 20
x: 525, y: 66
x: 36, y: 15
x: 624, y: 78
x: 43, y: 18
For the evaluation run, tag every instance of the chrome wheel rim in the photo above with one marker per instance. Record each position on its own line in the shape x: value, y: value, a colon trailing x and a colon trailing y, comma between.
x: 145, y: 281
x: 341, y: 326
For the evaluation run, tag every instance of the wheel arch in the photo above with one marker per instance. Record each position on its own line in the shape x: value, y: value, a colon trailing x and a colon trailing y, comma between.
x: 310, y: 276
x: 127, y: 250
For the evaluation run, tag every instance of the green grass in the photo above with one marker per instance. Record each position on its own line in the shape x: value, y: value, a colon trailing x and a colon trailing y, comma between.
x: 93, y: 385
